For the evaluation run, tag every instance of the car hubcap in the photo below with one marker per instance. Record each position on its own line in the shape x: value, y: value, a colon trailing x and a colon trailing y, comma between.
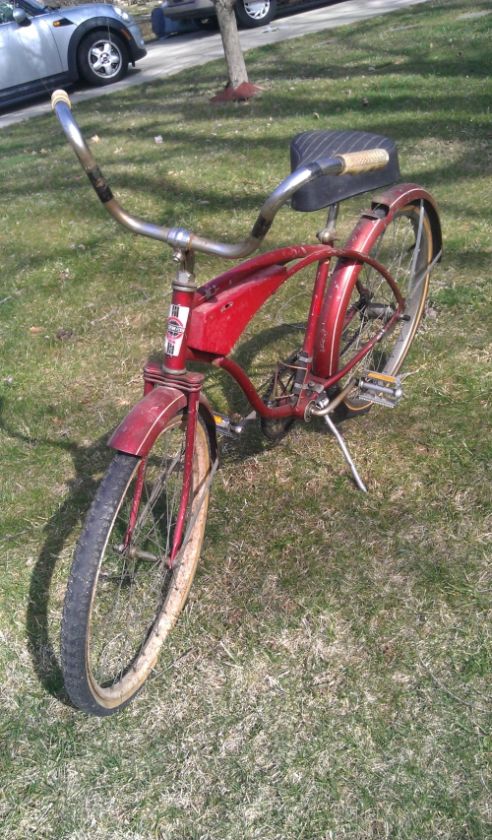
x: 256, y: 9
x: 105, y: 59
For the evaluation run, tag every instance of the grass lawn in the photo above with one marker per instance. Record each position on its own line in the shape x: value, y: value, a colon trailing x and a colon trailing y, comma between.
x: 331, y: 675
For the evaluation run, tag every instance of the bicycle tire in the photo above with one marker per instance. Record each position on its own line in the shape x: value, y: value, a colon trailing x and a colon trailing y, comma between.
x: 121, y: 603
x: 396, y: 251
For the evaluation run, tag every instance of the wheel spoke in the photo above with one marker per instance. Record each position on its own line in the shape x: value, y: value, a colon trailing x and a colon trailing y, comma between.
x: 404, y: 248
x: 134, y: 598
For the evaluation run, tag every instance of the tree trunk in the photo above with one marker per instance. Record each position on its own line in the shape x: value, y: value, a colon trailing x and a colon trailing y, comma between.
x: 236, y: 67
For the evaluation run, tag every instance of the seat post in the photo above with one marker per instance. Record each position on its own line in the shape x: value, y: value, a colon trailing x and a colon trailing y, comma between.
x: 328, y: 235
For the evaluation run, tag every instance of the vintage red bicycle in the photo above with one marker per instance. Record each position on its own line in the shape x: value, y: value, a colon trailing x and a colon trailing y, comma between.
x: 138, y: 551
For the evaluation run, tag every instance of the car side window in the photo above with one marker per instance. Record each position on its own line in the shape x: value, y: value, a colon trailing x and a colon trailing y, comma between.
x: 6, y: 12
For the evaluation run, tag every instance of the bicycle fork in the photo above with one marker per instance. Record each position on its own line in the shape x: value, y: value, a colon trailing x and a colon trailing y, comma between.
x: 190, y: 384
x: 193, y: 403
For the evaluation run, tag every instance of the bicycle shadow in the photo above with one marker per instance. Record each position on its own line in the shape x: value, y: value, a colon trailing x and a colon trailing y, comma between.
x: 88, y: 462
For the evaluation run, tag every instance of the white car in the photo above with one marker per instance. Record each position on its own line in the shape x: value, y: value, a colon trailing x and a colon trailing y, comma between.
x: 41, y: 49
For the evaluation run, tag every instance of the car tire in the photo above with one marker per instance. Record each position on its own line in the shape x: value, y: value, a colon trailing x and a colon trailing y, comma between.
x: 102, y: 58
x: 253, y: 13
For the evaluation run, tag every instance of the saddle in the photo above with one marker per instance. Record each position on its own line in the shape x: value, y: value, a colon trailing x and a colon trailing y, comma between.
x: 311, y: 146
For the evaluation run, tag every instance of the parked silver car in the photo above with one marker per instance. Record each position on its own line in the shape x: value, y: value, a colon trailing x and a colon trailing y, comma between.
x: 41, y: 49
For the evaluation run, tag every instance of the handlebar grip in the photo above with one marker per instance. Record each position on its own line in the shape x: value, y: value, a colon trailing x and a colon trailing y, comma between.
x: 356, y: 162
x: 60, y: 96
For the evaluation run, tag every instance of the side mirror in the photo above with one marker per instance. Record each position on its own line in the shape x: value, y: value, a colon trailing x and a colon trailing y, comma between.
x: 20, y: 17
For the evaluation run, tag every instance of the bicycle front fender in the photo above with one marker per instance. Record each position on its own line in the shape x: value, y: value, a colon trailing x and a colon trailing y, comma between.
x: 137, y: 433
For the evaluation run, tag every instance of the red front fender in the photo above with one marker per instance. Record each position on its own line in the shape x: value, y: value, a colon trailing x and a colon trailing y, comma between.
x: 137, y: 432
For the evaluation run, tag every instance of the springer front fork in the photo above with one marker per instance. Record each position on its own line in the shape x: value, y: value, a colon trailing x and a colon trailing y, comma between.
x: 190, y: 384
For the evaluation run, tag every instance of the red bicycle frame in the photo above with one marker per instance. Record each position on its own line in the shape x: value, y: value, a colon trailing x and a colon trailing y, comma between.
x: 205, y: 324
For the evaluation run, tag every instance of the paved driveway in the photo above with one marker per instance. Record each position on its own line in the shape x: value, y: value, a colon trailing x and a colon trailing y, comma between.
x: 164, y: 58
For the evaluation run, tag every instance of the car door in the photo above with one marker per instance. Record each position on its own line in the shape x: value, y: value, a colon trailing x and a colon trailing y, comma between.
x: 27, y: 51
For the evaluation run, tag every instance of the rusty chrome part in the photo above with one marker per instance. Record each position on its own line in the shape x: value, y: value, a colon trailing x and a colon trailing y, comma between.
x: 185, y: 272
x: 346, y: 454
x: 188, y: 382
x: 301, y: 366
x: 134, y: 223
x: 232, y: 426
x: 325, y: 405
x: 184, y: 281
x: 61, y: 106
x: 135, y: 553
x: 328, y: 234
x: 272, y: 204
x: 383, y: 390
x: 179, y: 237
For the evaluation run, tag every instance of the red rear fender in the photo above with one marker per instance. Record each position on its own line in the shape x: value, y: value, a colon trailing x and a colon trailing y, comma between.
x: 400, y: 195
x: 370, y: 225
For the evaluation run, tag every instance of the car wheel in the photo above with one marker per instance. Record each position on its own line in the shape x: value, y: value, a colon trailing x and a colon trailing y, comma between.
x: 102, y: 58
x: 251, y: 13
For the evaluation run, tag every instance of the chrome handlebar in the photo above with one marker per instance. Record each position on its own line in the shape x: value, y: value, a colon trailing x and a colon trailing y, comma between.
x: 185, y: 240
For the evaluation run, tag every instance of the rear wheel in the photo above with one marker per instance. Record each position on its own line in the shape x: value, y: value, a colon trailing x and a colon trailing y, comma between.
x: 102, y: 58
x: 279, y: 393
x: 405, y: 248
x: 253, y: 13
x: 122, y: 598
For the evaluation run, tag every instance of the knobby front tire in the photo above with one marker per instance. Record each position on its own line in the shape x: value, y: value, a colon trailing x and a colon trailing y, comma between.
x: 121, y: 603
x: 405, y: 248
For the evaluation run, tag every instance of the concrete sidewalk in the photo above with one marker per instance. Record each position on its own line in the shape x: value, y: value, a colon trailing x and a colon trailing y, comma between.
x: 170, y: 56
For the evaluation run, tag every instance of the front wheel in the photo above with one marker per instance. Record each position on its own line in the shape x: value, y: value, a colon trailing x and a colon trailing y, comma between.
x: 102, y: 58
x: 253, y: 13
x: 122, y: 598
x: 405, y: 248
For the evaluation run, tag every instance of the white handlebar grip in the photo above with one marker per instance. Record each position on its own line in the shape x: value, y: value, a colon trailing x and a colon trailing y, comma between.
x: 356, y: 162
x: 60, y: 96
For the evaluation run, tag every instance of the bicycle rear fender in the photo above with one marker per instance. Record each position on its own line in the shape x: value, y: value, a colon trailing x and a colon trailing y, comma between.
x: 137, y: 433
x: 371, y: 224
x: 402, y: 194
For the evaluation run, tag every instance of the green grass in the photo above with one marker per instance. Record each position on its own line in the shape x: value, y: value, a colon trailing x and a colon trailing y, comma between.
x: 331, y: 675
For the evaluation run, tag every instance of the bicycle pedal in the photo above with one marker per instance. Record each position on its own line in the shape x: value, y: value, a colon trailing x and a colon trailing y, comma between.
x: 381, y: 388
x: 223, y: 424
x: 232, y: 426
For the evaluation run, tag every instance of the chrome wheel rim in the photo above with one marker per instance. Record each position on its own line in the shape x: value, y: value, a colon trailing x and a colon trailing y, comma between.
x: 256, y: 9
x: 105, y: 59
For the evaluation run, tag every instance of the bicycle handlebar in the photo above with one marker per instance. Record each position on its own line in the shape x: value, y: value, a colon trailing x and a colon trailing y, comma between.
x: 185, y: 240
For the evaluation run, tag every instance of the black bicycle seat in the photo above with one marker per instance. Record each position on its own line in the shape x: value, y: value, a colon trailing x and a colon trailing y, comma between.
x: 311, y: 146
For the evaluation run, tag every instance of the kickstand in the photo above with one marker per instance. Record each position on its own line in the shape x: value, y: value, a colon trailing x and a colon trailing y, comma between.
x: 346, y: 454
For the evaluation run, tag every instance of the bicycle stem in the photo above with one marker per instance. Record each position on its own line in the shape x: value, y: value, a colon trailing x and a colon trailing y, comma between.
x: 184, y: 240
